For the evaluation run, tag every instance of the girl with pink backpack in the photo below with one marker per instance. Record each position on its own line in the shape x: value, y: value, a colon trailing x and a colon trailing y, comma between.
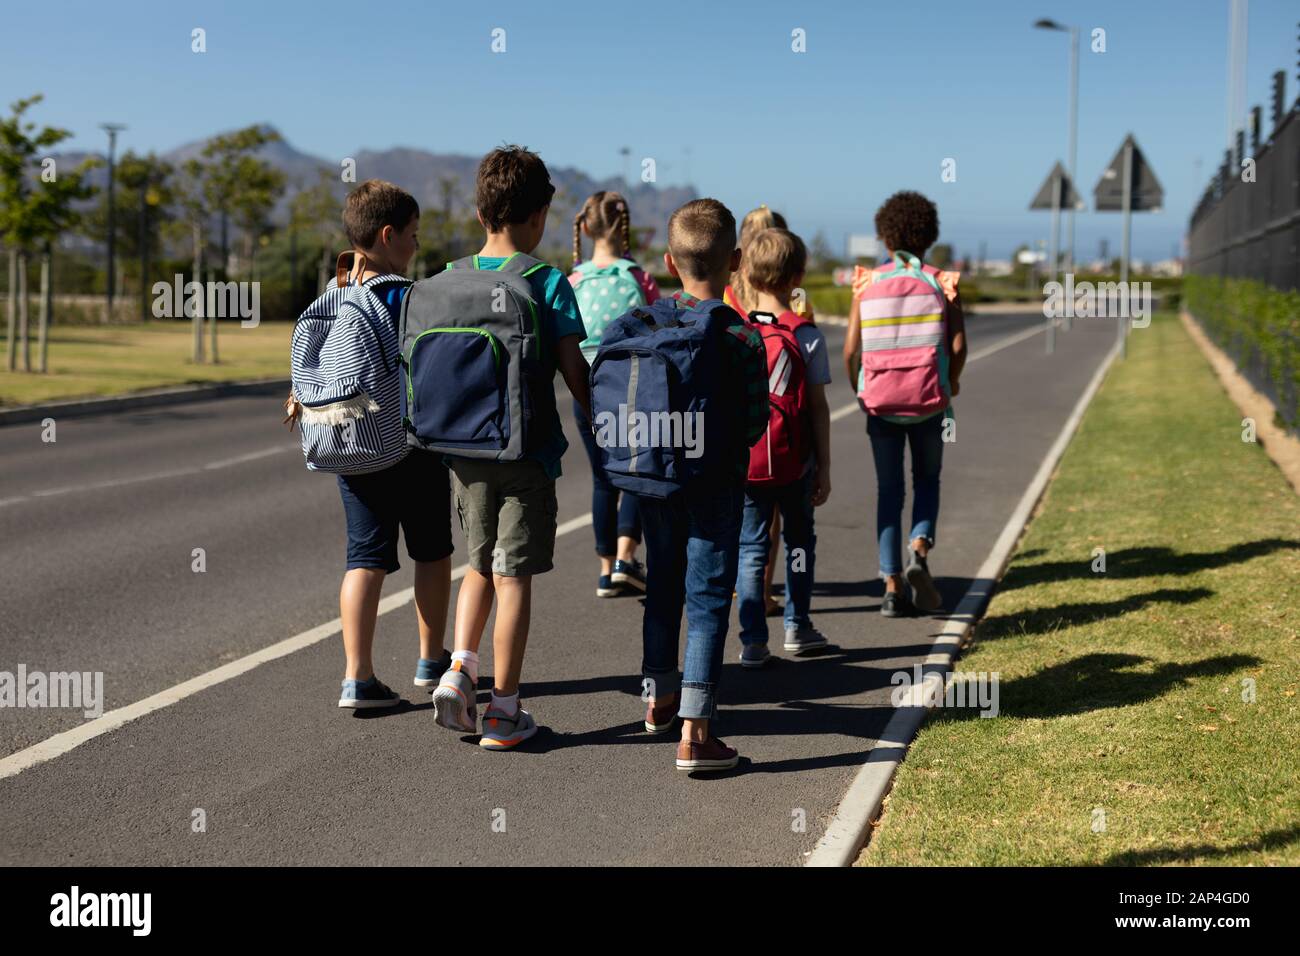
x: 905, y: 349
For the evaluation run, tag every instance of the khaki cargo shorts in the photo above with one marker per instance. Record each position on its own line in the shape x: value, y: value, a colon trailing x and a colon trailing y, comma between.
x: 507, y: 510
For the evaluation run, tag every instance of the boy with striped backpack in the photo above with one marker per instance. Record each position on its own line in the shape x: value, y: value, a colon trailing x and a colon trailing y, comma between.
x: 906, y: 346
x: 606, y: 286
x: 789, y: 468
x: 345, y: 398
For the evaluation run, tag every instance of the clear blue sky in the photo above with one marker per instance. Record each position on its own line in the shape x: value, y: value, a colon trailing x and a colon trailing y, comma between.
x: 884, y: 93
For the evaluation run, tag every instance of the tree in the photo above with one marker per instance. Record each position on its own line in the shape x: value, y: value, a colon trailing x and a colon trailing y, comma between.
x: 226, y: 166
x: 34, y: 208
x: 820, y: 255
x: 316, y: 210
x: 193, y: 203
x: 940, y: 256
x: 51, y: 214
x: 143, y: 210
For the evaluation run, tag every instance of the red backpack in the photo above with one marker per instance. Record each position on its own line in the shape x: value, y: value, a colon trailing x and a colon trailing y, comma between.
x: 781, y: 455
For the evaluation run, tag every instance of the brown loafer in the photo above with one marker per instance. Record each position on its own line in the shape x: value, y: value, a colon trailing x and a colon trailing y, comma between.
x: 661, y: 715
x: 712, y: 754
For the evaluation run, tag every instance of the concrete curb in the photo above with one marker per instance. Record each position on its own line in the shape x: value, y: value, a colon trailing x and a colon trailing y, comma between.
x: 155, y: 398
x: 850, y: 827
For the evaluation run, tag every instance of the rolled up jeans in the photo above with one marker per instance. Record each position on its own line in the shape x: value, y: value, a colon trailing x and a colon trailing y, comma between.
x: 795, y: 502
x: 692, y: 544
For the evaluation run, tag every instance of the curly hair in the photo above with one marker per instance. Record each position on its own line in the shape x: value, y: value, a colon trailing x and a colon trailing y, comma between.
x: 908, y: 222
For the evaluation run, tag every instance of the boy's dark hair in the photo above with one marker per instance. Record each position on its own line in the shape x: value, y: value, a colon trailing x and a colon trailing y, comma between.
x: 513, y: 183
x: 774, y: 259
x: 909, y: 222
x: 701, y: 238
x: 373, y: 205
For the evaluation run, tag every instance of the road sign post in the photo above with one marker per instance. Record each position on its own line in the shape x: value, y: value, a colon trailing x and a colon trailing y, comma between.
x: 1128, y: 185
x: 1057, y: 192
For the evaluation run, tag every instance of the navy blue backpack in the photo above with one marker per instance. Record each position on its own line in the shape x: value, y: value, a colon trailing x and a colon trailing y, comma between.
x: 660, y: 412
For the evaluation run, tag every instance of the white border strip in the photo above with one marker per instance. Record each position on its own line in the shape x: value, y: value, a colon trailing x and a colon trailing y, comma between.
x: 847, y: 832
x: 61, y: 743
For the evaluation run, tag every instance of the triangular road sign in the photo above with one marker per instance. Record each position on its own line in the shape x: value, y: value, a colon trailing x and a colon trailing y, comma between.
x: 1148, y: 196
x: 1069, y: 198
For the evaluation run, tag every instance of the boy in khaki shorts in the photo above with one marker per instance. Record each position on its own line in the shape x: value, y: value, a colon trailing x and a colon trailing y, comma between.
x: 507, y: 508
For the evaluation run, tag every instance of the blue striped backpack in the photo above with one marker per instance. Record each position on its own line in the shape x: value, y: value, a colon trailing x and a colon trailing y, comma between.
x: 346, y: 376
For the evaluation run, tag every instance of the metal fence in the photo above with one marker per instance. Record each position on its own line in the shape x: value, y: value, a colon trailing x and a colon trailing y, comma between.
x: 1251, y: 230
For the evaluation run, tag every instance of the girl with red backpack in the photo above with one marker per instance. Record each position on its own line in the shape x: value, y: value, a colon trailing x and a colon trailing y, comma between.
x: 789, y: 468
x: 905, y: 349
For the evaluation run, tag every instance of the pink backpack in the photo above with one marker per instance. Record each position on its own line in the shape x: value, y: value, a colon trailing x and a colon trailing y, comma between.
x: 904, y: 333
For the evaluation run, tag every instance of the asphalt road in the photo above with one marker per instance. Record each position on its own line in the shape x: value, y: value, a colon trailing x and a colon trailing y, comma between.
x: 97, y: 534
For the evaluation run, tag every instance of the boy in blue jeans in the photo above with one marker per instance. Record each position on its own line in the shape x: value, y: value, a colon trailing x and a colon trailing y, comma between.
x: 774, y: 267
x: 693, y: 537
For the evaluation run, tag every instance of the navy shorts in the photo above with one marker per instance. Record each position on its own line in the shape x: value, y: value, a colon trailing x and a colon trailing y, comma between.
x: 415, y: 494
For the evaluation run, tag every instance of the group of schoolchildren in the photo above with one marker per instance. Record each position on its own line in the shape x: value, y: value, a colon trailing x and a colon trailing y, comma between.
x: 418, y: 395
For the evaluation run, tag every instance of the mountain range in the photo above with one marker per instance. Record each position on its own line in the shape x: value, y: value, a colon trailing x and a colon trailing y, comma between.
x: 423, y: 173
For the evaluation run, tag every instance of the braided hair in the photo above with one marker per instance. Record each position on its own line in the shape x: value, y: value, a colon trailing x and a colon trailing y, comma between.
x: 606, y: 216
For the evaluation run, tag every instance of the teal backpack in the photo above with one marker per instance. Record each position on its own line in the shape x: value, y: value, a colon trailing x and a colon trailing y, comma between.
x: 603, y: 295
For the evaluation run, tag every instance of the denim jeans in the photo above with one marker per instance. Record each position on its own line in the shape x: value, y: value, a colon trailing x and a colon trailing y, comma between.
x: 692, y: 544
x: 612, y: 517
x: 795, y: 502
x: 887, y: 442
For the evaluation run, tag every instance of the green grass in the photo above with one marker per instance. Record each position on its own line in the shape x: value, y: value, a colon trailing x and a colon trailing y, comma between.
x: 89, y: 361
x: 1124, y: 690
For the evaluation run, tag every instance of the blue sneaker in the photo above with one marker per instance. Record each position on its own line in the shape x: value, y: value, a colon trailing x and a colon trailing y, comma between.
x: 630, y: 574
x: 754, y: 655
x: 606, y: 588
x: 427, y: 672
x: 361, y: 694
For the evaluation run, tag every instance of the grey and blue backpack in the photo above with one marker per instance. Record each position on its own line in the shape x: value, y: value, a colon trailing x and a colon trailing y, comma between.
x: 475, y: 376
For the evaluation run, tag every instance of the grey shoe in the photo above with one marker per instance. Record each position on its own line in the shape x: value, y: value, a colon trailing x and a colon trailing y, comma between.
x: 502, y: 731
x: 754, y: 655
x: 801, y: 639
x: 455, y: 703
x: 925, y: 595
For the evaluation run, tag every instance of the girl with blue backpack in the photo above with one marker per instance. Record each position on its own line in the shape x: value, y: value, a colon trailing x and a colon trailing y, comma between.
x: 608, y: 285
x: 905, y: 349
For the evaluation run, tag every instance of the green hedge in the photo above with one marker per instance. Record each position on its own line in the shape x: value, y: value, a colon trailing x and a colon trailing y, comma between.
x: 1258, y: 326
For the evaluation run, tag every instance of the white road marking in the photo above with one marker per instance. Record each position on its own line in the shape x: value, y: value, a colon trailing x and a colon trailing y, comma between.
x: 154, y: 476
x: 61, y: 743
x: 975, y: 356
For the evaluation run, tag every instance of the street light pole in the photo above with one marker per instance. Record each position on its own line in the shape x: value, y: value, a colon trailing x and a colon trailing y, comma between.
x: 112, y: 129
x: 1074, y: 133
